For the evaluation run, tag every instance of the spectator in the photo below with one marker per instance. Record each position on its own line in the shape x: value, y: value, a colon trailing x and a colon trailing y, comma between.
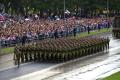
x: 49, y: 28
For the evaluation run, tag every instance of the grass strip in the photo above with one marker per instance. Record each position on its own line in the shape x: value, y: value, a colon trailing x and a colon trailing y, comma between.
x: 10, y: 50
x: 115, y: 76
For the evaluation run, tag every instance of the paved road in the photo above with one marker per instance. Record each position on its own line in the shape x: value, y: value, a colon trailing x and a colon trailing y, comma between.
x: 93, y: 67
x: 6, y: 61
x: 24, y: 69
x: 87, y: 68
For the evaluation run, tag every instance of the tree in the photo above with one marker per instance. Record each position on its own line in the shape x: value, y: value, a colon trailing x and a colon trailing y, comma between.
x: 25, y: 7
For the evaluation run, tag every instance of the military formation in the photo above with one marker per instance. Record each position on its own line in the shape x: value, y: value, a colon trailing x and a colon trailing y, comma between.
x: 59, y: 50
x: 116, y: 27
x: 116, y: 33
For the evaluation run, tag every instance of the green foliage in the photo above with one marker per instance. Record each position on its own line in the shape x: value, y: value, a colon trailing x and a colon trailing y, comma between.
x: 24, y: 6
x: 96, y: 32
x: 8, y: 50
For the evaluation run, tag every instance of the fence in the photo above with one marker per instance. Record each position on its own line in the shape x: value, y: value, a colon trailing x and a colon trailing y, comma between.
x: 42, y: 36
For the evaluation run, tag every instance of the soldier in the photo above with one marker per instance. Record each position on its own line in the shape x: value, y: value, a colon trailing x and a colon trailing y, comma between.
x: 56, y: 34
x: 88, y: 29
x: 99, y: 26
x: 61, y: 33
x: 24, y: 38
x: 74, y: 32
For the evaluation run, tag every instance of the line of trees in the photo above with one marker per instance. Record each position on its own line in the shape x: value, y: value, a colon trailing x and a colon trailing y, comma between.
x: 48, y: 7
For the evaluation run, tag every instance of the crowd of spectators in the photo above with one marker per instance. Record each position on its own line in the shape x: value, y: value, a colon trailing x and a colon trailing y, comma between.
x: 13, y: 31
